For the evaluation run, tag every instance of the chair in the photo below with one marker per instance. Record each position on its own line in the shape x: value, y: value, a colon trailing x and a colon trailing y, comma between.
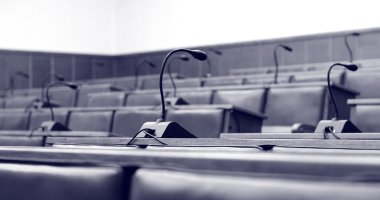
x: 85, y: 90
x: 144, y: 99
x: 252, y: 100
x: 20, y: 102
x: 14, y: 119
x: 64, y: 97
x: 91, y: 121
x: 127, y: 122
x: 195, y: 97
x: 39, y: 116
x: 222, y: 81
x: 46, y: 182
x: 365, y: 83
x: 106, y: 99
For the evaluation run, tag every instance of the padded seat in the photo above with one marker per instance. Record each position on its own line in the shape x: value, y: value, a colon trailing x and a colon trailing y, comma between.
x: 144, y: 99
x: 64, y: 97
x: 365, y: 83
x: 252, y: 100
x: 182, y: 83
x: 20, y: 102
x: 127, y: 123
x: 43, y: 182
x: 289, y: 105
x: 14, y: 119
x: 366, y: 117
x: 162, y: 184
x: 106, y: 99
x: 207, y: 123
x: 194, y: 97
x: 336, y: 77
x: 90, y: 121
x: 85, y: 90
x: 39, y: 116
x: 222, y: 81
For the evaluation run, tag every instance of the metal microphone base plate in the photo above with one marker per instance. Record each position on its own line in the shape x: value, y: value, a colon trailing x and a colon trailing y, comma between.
x: 167, y: 130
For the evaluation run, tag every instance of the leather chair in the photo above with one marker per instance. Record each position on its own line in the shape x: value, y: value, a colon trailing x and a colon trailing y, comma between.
x: 106, y: 99
x: 162, y: 184
x: 44, y: 182
x: 91, y: 121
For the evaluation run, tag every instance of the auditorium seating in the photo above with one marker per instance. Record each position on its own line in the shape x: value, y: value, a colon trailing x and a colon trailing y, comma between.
x: 14, y: 119
x: 85, y: 90
x: 163, y: 184
x: 364, y: 82
x: 20, y: 102
x: 221, y: 81
x: 195, y: 97
x: 365, y: 114
x: 45, y: 182
x: 41, y: 115
x: 106, y: 99
x: 183, y: 83
x: 64, y: 97
x: 91, y: 121
x: 144, y: 98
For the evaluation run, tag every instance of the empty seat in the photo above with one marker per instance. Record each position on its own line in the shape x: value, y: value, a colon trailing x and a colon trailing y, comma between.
x: 207, y: 123
x: 160, y: 184
x: 183, y: 83
x: 252, y: 100
x: 106, y: 99
x: 63, y: 96
x: 90, y: 121
x: 21, y: 141
x: 128, y: 122
x: 44, y: 182
x: 289, y: 105
x: 222, y: 81
x: 20, y: 102
x: 195, y: 97
x: 84, y: 90
x: 11, y: 119
x: 336, y: 77
x: 365, y: 83
x: 366, y: 117
x: 39, y: 116
x: 144, y: 99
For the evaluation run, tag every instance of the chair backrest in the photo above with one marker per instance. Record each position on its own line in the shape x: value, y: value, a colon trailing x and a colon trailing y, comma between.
x: 183, y: 83
x: 195, y: 97
x: 11, y: 119
x: 144, y: 99
x: 63, y: 96
x: 91, y: 121
x: 45, y: 182
x: 39, y: 116
x: 252, y: 100
x: 289, y: 105
x: 106, y: 99
x: 366, y: 117
x: 162, y: 184
x: 221, y: 81
x: 364, y: 83
x: 127, y: 122
x: 85, y: 90
x: 203, y: 123
x: 20, y: 102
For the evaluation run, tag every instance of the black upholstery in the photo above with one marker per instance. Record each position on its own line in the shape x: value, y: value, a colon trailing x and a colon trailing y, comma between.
x: 127, y: 122
x: 43, y: 182
x: 106, y: 99
x: 91, y: 120
x: 168, y: 184
x: 252, y: 100
x: 207, y: 123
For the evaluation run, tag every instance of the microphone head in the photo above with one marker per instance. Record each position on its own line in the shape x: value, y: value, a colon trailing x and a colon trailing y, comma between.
x: 197, y: 54
x: 286, y: 47
x: 72, y: 85
x: 184, y: 57
x: 351, y: 67
x: 152, y: 65
x: 25, y: 75
x: 59, y: 77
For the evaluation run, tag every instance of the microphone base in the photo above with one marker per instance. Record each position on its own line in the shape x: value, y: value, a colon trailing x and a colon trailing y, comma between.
x: 53, y: 126
x: 338, y: 126
x: 167, y: 130
x: 172, y: 101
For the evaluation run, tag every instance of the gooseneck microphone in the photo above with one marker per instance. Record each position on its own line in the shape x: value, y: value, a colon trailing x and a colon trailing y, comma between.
x: 138, y: 67
x: 350, y: 67
x: 47, y: 94
x: 181, y: 57
x: 12, y: 80
x: 355, y: 34
x: 57, y: 77
x: 197, y: 54
x: 336, y: 125
x: 161, y: 128
x: 209, y: 63
x: 287, y: 48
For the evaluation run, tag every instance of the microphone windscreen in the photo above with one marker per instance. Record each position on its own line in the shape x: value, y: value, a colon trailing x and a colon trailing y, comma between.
x: 356, y: 34
x: 352, y: 67
x: 287, y: 48
x: 199, y: 55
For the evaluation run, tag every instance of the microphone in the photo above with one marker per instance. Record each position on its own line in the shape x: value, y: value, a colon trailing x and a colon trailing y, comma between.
x: 164, y: 129
x: 44, y: 81
x: 52, y: 125
x: 335, y: 125
x: 137, y: 70
x: 209, y: 63
x: 12, y: 80
x: 175, y: 100
x: 354, y: 34
x: 287, y: 48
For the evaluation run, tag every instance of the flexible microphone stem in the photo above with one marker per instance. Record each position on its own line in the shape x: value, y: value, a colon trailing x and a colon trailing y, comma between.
x: 276, y: 64
x: 70, y: 85
x: 45, y: 80
x: 172, y: 80
x: 348, y: 48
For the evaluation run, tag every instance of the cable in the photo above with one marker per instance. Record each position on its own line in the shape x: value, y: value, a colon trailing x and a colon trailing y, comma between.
x: 146, y: 131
